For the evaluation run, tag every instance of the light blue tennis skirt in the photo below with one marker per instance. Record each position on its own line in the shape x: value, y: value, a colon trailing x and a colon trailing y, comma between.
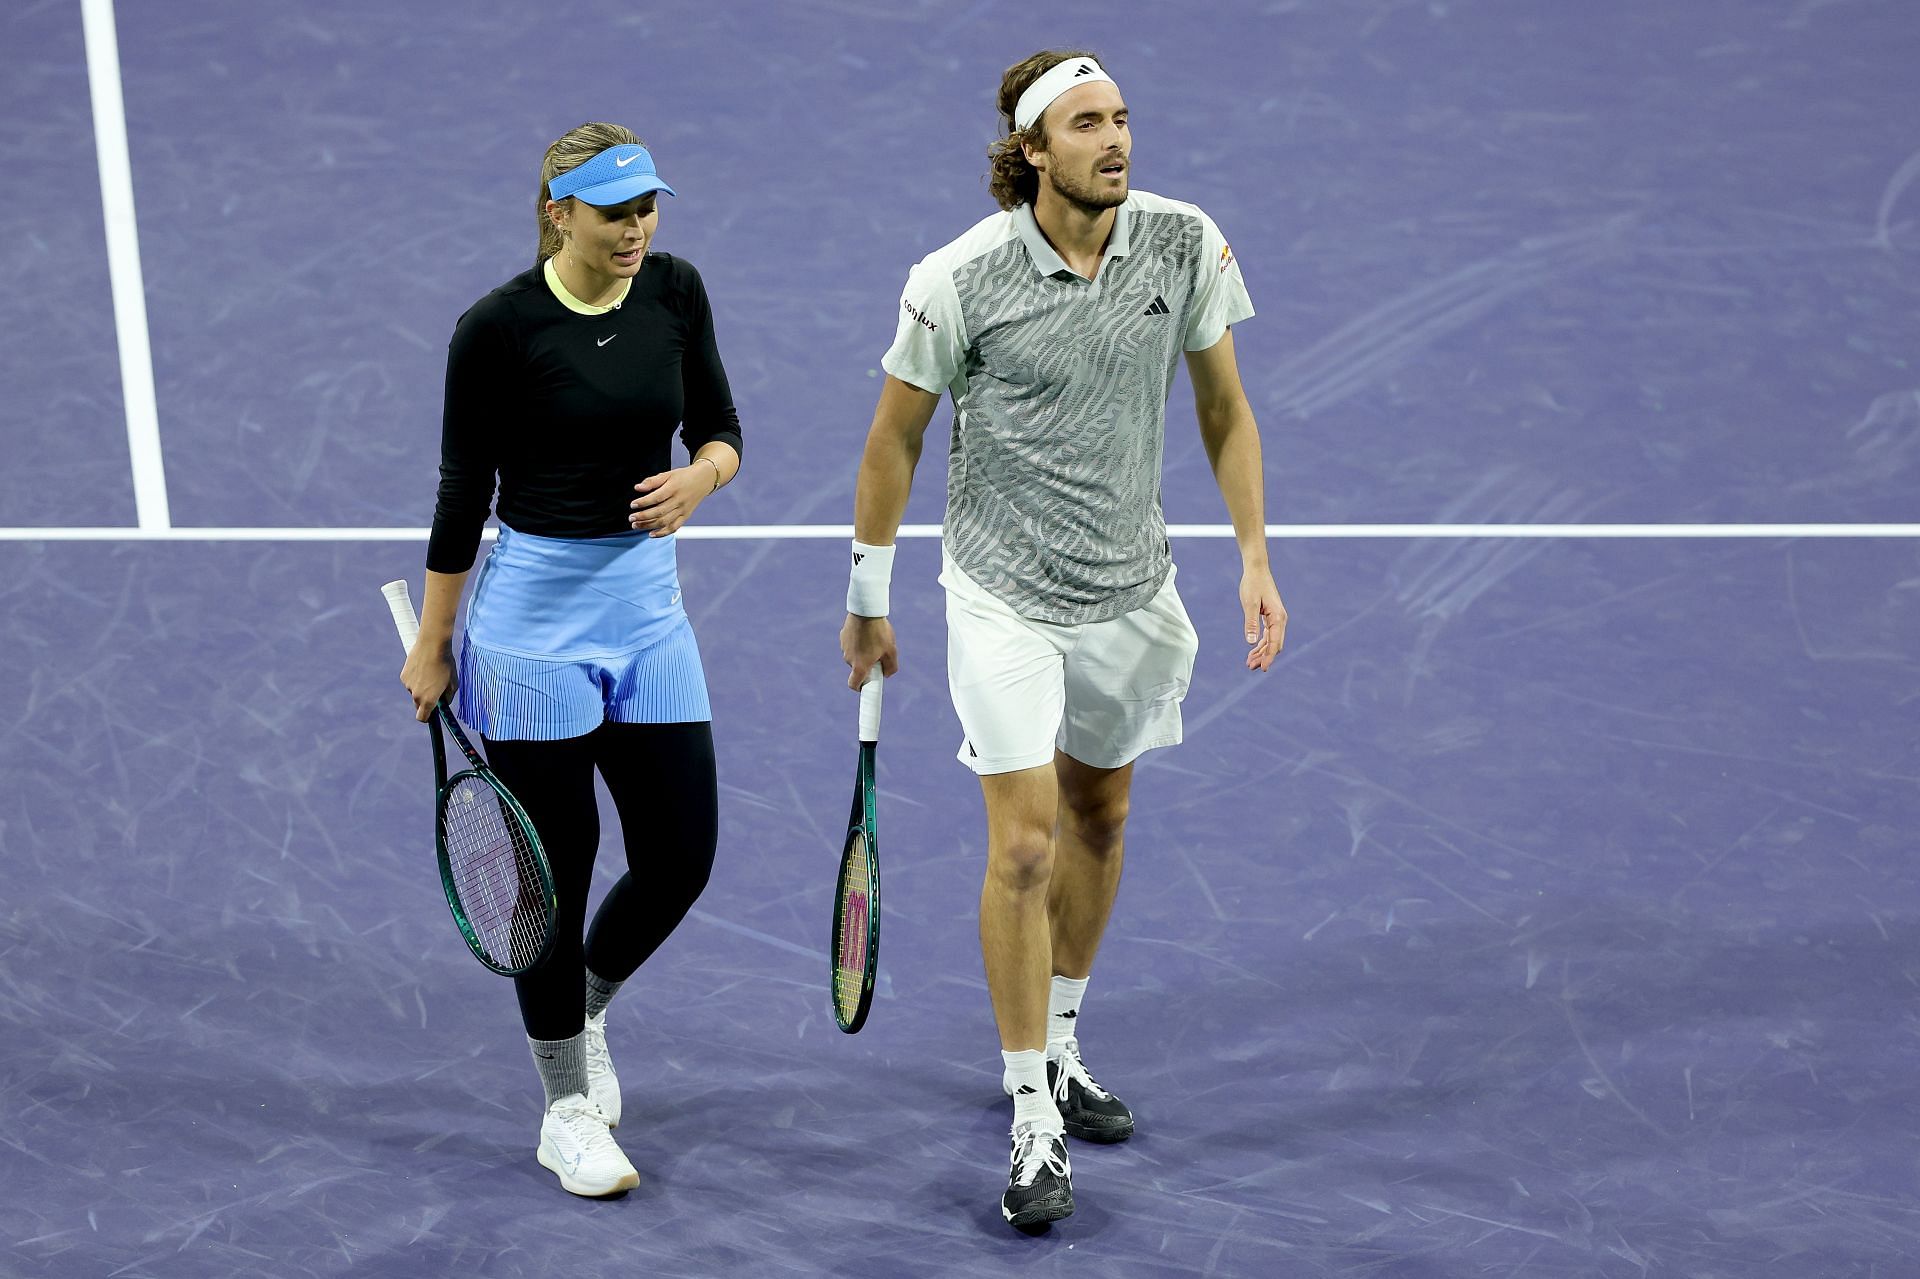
x: 564, y: 634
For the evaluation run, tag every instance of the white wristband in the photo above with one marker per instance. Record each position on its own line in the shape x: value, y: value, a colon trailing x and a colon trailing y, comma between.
x: 867, y: 584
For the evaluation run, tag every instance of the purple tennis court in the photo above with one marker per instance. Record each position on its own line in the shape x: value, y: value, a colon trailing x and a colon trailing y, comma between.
x: 1549, y: 910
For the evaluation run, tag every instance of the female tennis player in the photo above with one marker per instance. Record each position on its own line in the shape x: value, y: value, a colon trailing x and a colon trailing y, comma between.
x: 566, y: 384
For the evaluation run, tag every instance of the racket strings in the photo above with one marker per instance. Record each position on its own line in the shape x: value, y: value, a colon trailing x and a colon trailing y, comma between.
x: 851, y: 961
x: 495, y: 872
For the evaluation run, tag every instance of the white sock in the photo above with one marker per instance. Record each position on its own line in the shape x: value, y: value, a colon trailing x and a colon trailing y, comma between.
x: 1025, y: 1076
x: 1063, y: 1013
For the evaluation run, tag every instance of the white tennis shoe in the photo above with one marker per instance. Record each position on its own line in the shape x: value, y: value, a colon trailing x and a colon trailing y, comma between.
x: 577, y: 1147
x: 603, y: 1086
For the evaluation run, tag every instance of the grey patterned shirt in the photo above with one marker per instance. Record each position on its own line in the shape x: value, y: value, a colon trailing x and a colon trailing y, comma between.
x: 1060, y: 389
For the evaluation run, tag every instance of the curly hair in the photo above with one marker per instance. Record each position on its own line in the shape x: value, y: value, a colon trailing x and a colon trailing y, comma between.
x: 569, y: 151
x: 1011, y: 179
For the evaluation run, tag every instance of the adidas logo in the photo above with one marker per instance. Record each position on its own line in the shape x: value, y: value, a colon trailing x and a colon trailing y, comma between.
x: 1071, y: 1012
x: 1158, y: 307
x: 1028, y: 1090
x: 858, y: 556
x: 1086, y: 68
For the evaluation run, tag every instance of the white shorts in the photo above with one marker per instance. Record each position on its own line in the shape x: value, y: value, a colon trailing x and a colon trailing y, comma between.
x: 1102, y: 692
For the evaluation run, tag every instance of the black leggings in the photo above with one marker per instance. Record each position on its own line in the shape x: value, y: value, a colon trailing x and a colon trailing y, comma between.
x: 661, y: 777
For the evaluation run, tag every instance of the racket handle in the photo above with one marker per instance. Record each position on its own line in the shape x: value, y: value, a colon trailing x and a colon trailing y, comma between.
x: 870, y: 704
x: 405, y: 620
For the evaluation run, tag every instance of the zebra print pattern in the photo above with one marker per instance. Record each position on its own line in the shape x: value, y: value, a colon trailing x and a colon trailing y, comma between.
x: 1054, y: 467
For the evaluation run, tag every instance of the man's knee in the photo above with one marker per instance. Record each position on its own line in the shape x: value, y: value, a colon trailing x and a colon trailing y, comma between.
x: 1021, y: 860
x: 1094, y: 805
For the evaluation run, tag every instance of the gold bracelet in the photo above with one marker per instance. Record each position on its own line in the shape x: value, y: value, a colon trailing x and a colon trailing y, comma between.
x: 716, y: 473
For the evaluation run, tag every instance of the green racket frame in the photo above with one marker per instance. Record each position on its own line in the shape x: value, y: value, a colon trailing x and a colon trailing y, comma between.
x: 850, y: 1005
x: 543, y: 885
x: 407, y: 623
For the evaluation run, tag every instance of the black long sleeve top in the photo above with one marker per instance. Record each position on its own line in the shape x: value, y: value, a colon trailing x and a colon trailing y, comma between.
x: 570, y: 411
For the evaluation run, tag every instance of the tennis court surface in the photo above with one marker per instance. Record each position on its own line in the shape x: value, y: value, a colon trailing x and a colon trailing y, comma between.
x: 1549, y: 910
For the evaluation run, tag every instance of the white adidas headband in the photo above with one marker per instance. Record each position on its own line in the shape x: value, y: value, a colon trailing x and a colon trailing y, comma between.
x: 1058, y: 79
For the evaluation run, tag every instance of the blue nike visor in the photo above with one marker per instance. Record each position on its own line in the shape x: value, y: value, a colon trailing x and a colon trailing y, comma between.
x: 615, y: 176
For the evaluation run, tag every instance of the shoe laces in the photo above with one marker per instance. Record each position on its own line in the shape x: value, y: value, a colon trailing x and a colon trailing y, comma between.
x: 1074, y: 1070
x: 1034, y: 1150
x: 584, y: 1124
x: 599, y: 1060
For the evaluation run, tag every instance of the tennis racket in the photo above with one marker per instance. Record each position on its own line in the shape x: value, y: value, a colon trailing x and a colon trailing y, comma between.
x: 856, y: 895
x: 492, y: 867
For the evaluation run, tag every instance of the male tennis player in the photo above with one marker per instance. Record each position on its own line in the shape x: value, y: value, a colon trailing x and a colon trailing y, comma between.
x: 1056, y: 326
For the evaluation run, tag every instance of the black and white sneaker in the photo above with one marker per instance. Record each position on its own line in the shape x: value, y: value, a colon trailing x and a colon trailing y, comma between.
x: 1089, y: 1111
x: 1040, y: 1183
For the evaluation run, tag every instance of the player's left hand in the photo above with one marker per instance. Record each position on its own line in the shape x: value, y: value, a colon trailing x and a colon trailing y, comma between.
x: 667, y: 500
x: 1266, y: 617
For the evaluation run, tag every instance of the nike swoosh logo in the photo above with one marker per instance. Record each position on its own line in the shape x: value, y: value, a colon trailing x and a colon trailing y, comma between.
x: 603, y: 341
x: 621, y: 164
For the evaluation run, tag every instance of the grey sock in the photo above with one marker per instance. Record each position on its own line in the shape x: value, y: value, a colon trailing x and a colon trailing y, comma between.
x: 600, y: 993
x: 562, y: 1064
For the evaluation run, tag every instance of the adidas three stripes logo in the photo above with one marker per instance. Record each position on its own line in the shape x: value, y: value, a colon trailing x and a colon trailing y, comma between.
x: 1158, y: 307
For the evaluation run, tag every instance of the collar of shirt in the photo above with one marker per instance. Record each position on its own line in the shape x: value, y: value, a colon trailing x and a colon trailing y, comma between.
x: 1049, y: 263
x: 574, y: 304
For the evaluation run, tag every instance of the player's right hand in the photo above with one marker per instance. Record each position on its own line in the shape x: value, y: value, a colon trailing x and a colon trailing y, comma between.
x: 428, y: 675
x: 864, y: 641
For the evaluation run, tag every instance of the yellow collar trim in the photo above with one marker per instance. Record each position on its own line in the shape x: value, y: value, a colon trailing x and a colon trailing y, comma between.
x: 573, y: 303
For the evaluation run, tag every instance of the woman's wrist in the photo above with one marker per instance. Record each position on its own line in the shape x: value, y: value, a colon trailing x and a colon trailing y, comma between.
x: 716, y: 473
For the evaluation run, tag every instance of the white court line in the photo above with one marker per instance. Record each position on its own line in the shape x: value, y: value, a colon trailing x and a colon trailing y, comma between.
x: 123, y: 265
x: 798, y: 532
